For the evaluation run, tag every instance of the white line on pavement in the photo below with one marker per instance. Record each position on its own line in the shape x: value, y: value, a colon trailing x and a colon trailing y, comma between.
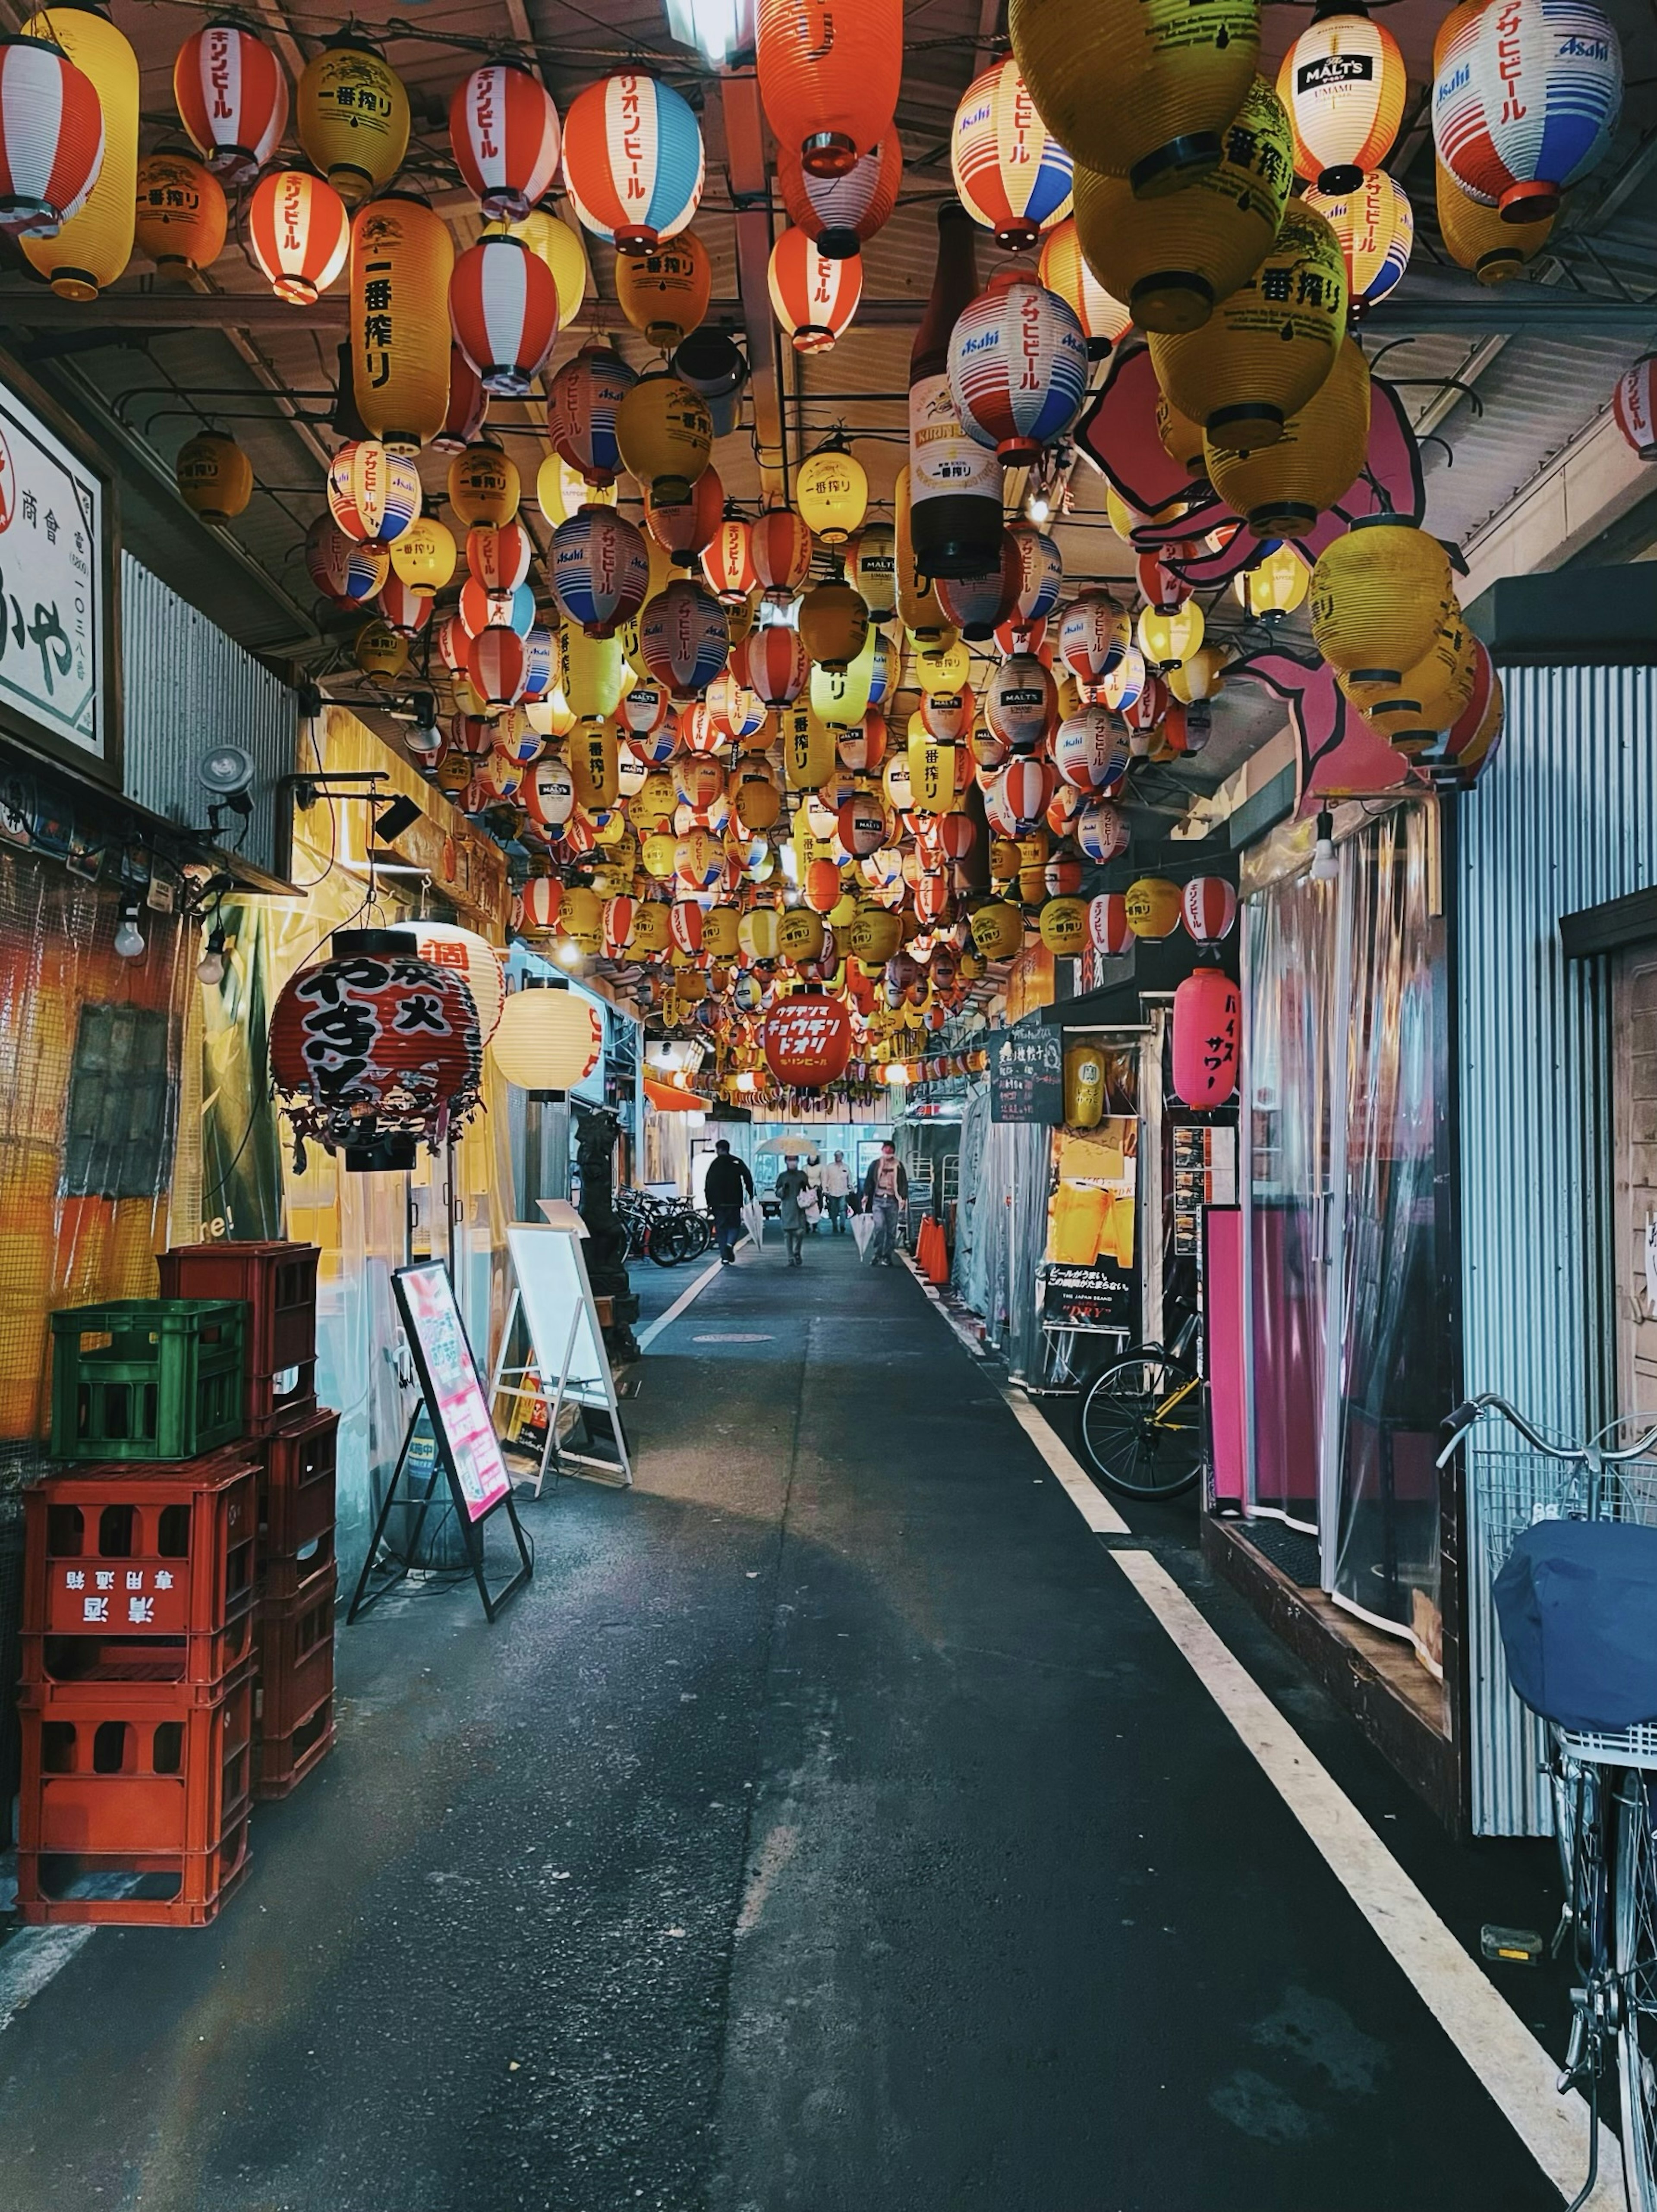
x: 649, y: 1336
x: 29, y: 1962
x: 1089, y: 1501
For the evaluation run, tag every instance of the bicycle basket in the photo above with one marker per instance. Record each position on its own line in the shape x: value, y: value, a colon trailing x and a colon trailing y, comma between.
x: 1577, y: 1604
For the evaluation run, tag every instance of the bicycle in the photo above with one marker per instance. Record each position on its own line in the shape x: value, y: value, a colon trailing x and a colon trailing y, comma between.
x: 667, y: 1230
x: 1141, y: 1423
x: 1604, y: 1788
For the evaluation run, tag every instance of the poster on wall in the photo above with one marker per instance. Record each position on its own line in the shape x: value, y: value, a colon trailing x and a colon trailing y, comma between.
x: 1205, y: 1175
x: 1027, y: 1075
x: 56, y: 622
x: 1087, y: 1279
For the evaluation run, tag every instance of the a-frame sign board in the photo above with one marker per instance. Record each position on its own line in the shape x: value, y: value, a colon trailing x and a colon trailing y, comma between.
x: 569, y: 1365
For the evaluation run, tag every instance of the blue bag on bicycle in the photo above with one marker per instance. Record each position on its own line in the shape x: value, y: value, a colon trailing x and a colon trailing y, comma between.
x: 1577, y: 1600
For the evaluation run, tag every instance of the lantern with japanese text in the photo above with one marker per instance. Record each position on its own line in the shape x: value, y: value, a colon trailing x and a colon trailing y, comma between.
x: 1376, y: 227
x: 1063, y: 927
x: 298, y: 233
x: 1634, y: 403
x: 594, y: 761
x: 1041, y: 574
x: 1021, y: 705
x: 1343, y: 83
x: 684, y: 638
x: 498, y: 555
x: 549, y: 1039
x: 775, y: 664
x: 52, y: 137
x: 808, y: 748
x: 1012, y: 175
x: 496, y: 665
x: 873, y: 568
x: 424, y: 555
x: 633, y: 161
x: 599, y: 570
x: 446, y: 945
x: 180, y: 218
x: 503, y: 311
x: 344, y: 569
x: 504, y: 130
x: 828, y: 77
x: 374, y: 495
x: 1153, y: 906
x: 807, y: 1040
x: 401, y: 255
x: 1107, y: 930
x: 665, y: 293
x: 1018, y: 368
x: 1283, y: 487
x: 998, y: 929
x: 728, y: 561
x: 1086, y: 751
x: 232, y: 97
x: 353, y: 116
x: 582, y: 401
x: 1208, y: 907
x: 1092, y: 636
x: 1025, y: 788
x: 841, y: 213
x: 1207, y: 1038
x: 549, y: 800
x: 215, y: 476
x: 84, y: 253
x: 1064, y: 270
x: 664, y: 435
x: 1526, y: 100
x: 1377, y: 595
x: 832, y: 489
x: 813, y: 296
x: 543, y: 895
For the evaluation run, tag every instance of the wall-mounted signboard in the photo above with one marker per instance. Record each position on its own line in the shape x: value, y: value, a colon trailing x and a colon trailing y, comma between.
x: 1027, y: 1075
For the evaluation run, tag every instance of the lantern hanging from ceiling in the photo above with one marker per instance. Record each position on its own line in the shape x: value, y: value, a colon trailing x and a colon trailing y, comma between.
x: 543, y: 667
x: 215, y: 476
x: 754, y: 796
x: 1170, y: 258
x: 595, y: 765
x: 665, y: 293
x: 298, y: 233
x: 511, y: 607
x: 1475, y: 735
x: 548, y: 1039
x: 557, y: 245
x: 841, y: 213
x: 813, y: 297
x: 1207, y: 1038
x: 503, y: 310
x: 1062, y: 268
x: 375, y: 1049
x: 52, y: 137
x: 832, y: 489
x: 1025, y: 788
x: 779, y: 545
x: 830, y: 76
x: 498, y: 555
x: 1634, y: 403
x: 728, y: 562
x: 1526, y: 100
x: 1021, y: 705
x: 1126, y: 682
x: 1479, y: 239
x: 1092, y: 636
x: 1087, y: 750
x: 468, y: 405
x: 401, y: 255
x: 833, y: 623
x: 873, y: 568
x: 808, y: 746
x: 1343, y: 83
x: 807, y: 1040
x: 739, y: 711
x: 979, y: 604
x: 946, y: 714
x: 595, y: 671
x: 89, y: 249
x: 1208, y: 907
x: 1169, y: 639
x: 462, y: 951
x: 633, y: 161
x: 1012, y: 175
x: 997, y: 930
x: 1153, y: 906
x: 1376, y: 227
x: 496, y: 665
x: 549, y: 798
x: 1062, y: 926
x: 684, y: 638
x: 231, y: 97
x: 1377, y: 594
x: 647, y: 712
x: 1282, y: 488
x: 424, y: 555
x: 374, y: 495
x: 582, y: 402
x: 1138, y: 91
x: 343, y: 569
x: 599, y: 570
x: 665, y: 436
x: 1107, y: 930
x: 1267, y: 346
x: 353, y: 116
x: 1041, y: 574
x: 180, y: 217
x: 685, y: 527
x: 504, y: 130
x: 1274, y: 587
x: 1018, y: 368
x: 1102, y: 830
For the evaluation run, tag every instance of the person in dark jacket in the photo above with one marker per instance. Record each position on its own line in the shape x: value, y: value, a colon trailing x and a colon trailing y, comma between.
x: 728, y: 1183
x: 885, y: 1189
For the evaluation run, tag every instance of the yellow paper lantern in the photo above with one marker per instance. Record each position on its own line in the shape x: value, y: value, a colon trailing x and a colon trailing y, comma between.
x: 381, y: 650
x: 1268, y: 346
x: 801, y: 935
x: 1064, y: 926
x: 592, y: 756
x: 215, y: 476
x: 551, y: 714
x: 1168, y: 640
x: 998, y: 929
x: 754, y: 796
x: 665, y: 436
x: 1152, y: 906
x: 560, y: 247
x: 655, y: 799
x: 758, y: 932
x: 918, y: 606
x: 1427, y: 698
x: 484, y: 486
x: 833, y: 624
x: 181, y: 217
x: 90, y: 250
x: 831, y: 495
x: 1062, y: 268
x: 1274, y: 586
x: 808, y: 747
x: 1281, y: 490
x: 876, y: 934
x: 932, y: 764
x: 561, y: 492
x: 1138, y: 88
x: 424, y: 556
x: 596, y: 672
x: 352, y: 113
x: 942, y: 666
x: 1171, y: 259
x: 1182, y: 438
x: 665, y: 293
x: 580, y: 920
x: 1199, y: 677
x: 1378, y: 595
x: 659, y: 854
x: 401, y: 255
x: 720, y: 927
x: 1479, y: 239
x: 1084, y: 1082
x: 650, y: 926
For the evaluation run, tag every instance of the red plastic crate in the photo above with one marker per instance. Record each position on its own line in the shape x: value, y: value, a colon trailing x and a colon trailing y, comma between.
x: 201, y: 1668
x: 296, y: 1497
x: 142, y: 1549
x: 282, y: 1762
x: 269, y: 1408
x: 277, y: 1283
x: 109, y: 1771
x: 296, y: 1665
x: 302, y: 1574
x: 156, y: 1889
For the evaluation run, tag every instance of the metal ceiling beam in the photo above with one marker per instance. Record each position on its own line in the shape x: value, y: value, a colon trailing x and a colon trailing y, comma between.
x: 750, y: 189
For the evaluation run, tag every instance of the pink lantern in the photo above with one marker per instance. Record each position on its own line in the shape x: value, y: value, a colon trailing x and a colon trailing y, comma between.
x: 1207, y: 1036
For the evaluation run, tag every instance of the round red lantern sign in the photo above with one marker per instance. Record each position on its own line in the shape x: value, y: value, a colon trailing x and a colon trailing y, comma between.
x: 807, y: 1041
x: 1207, y: 1034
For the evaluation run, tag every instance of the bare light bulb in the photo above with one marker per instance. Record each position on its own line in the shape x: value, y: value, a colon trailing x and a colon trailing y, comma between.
x: 129, y: 938
x: 209, y: 969
x: 1325, y: 866
x: 1038, y: 507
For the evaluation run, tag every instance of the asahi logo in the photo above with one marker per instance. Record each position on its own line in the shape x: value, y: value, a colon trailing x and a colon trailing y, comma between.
x: 1334, y: 68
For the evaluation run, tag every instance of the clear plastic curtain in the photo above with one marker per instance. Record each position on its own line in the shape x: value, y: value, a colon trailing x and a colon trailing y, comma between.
x: 1006, y: 1174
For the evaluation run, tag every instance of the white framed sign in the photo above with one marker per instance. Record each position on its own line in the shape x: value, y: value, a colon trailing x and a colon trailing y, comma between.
x: 58, y: 691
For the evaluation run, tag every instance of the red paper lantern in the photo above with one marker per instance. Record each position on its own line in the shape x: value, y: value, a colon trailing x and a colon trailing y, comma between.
x: 51, y: 139
x: 1209, y: 908
x: 1634, y: 405
x: 549, y: 798
x: 231, y: 99
x: 813, y: 296
x: 840, y: 214
x: 688, y: 527
x: 779, y: 546
x: 1207, y: 1036
x: 503, y: 310
x: 1024, y: 789
x: 543, y: 895
x: 1108, y: 929
x: 298, y: 231
x: 774, y: 663
x: 830, y: 76
x: 807, y: 1040
x: 1164, y: 588
x: 498, y: 555
x: 823, y: 886
x: 504, y: 130
x: 684, y: 926
x: 468, y: 405
x: 728, y: 561
x: 497, y: 664
x: 407, y: 610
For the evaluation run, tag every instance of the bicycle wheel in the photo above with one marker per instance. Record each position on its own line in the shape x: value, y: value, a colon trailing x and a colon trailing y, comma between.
x: 1141, y: 1426
x: 667, y: 1244
x: 1636, y: 1932
x: 699, y: 1235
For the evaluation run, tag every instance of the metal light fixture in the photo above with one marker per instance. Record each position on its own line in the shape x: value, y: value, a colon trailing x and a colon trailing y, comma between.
x: 719, y: 29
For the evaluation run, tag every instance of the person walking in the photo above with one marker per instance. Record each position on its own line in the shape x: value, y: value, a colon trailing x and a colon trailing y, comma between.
x: 791, y: 1186
x: 836, y: 1189
x: 727, y: 1184
x: 885, y: 1189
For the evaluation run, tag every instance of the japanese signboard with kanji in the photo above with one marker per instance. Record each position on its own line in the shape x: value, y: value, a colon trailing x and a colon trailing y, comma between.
x: 54, y: 674
x: 1027, y: 1075
x: 453, y: 1393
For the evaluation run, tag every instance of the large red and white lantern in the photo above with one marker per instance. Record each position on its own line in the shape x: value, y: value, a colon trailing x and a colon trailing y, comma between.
x: 1207, y: 1038
x: 504, y: 130
x: 497, y: 664
x: 298, y: 231
x: 51, y: 139
x: 813, y: 296
x: 1024, y: 789
x: 541, y: 896
x: 1093, y: 637
x: 633, y: 161
x: 1108, y: 929
x: 374, y: 495
x: 728, y: 561
x: 1018, y: 368
x: 1634, y: 403
x: 503, y: 310
x: 807, y: 1040
x: 774, y: 663
x: 232, y: 97
x: 779, y: 546
x: 1208, y: 907
x: 1086, y: 751
x: 581, y: 404
x: 407, y: 610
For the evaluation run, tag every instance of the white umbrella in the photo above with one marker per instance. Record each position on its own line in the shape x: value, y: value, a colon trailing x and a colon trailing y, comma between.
x: 797, y: 1146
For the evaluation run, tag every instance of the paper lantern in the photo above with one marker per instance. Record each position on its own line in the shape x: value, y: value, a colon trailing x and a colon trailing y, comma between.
x: 684, y: 638
x: 52, y: 137
x: 599, y: 570
x: 823, y: 886
x: 445, y: 944
x: 978, y: 604
x: 1428, y: 696
x: 593, y: 758
x: 374, y: 495
x: 665, y: 293
x: 1086, y: 752
x: 1208, y: 909
x: 872, y: 567
x: 1207, y: 1039
x: 353, y: 116
x: 503, y: 311
x: 1268, y: 346
x: 841, y: 213
x: 1475, y: 734
x: 779, y: 546
x: 468, y: 405
x: 1634, y: 403
x: 807, y: 1040
x: 231, y: 97
x: 997, y: 930
x: 496, y: 666
x: 1170, y: 258
x: 833, y: 624
x: 808, y: 748
x: 728, y: 561
x: 686, y: 528
x: 1282, y: 488
x: 1041, y: 574
x: 1092, y: 636
x: 511, y: 607
x: 89, y: 249
x: 1480, y: 239
x: 504, y: 130
x: 401, y: 255
x: 581, y: 919
x: 1107, y: 930
x: 664, y: 435
x: 1376, y: 227
x: 828, y: 76
x: 1021, y: 705
x: 498, y: 555
x: 813, y: 297
x: 215, y: 476
x: 1136, y: 90
x: 1527, y: 99
x: 548, y: 1039
x: 549, y: 798
x: 861, y: 748
x: 649, y: 933
x: 947, y: 714
x: 1012, y: 175
x: 1126, y: 681
x: 424, y: 555
x: 299, y: 233
x: 1064, y: 271
x: 633, y: 161
x: 559, y: 246
x: 344, y: 569
x: 1199, y: 677
x: 1018, y: 368
x: 1377, y: 595
x: 1168, y: 640
x: 583, y: 401
x: 831, y: 489
x: 1153, y: 906
x: 1274, y: 587
x: 1343, y: 83
x: 180, y: 217
x: 739, y: 711
x: 1063, y: 927
x: 1025, y: 788
x: 374, y: 1048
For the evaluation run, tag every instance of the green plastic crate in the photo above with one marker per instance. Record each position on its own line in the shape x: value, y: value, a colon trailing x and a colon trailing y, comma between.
x: 147, y: 1378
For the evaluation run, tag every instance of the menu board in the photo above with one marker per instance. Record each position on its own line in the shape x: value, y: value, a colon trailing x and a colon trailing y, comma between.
x: 1205, y: 1174
x: 449, y: 1381
x: 1027, y: 1075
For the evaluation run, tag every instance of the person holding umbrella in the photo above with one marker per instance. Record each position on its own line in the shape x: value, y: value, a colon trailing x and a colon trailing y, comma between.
x: 792, y: 1186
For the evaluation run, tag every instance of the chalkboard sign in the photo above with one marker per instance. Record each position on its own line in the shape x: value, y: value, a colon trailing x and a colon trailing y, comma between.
x: 1027, y: 1075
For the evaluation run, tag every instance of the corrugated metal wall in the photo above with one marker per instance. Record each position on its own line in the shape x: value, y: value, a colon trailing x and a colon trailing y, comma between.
x: 1564, y: 817
x: 186, y: 686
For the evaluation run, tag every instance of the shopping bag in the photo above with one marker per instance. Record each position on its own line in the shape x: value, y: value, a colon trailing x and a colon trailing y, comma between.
x: 809, y: 1208
x: 862, y: 1229
x: 753, y: 1215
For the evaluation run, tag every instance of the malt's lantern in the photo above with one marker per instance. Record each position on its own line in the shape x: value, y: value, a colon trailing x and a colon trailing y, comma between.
x: 1022, y: 703
x: 1343, y: 83
x: 231, y: 97
x: 873, y: 568
x: 180, y: 219
x: 401, y: 255
x: 353, y: 116
x: 504, y: 130
x: 841, y: 213
x: 299, y: 233
x: 633, y: 161
x: 89, y: 248
x: 828, y: 77
x: 1207, y: 1039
